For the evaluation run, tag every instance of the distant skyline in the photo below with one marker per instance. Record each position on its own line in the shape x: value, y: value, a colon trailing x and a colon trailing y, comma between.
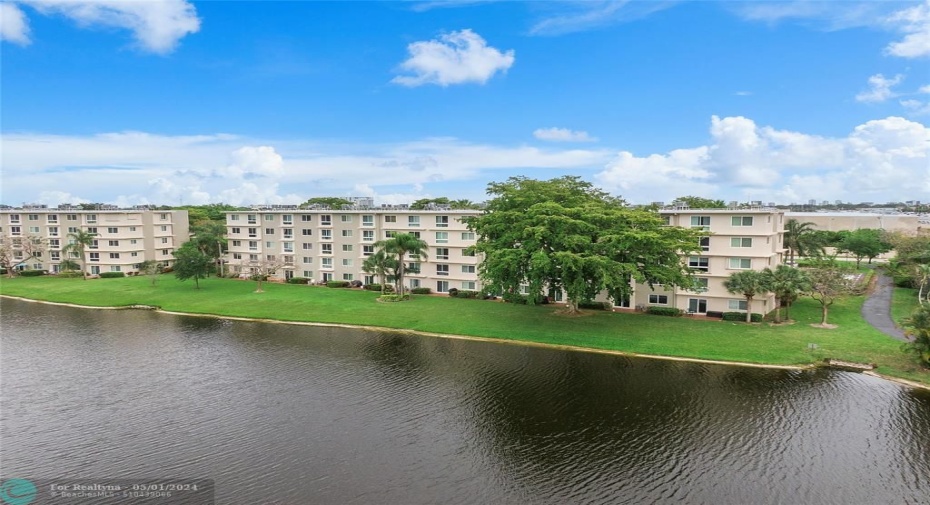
x: 174, y: 102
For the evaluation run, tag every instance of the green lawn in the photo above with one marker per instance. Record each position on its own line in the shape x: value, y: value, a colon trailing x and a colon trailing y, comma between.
x: 854, y: 340
x: 903, y: 304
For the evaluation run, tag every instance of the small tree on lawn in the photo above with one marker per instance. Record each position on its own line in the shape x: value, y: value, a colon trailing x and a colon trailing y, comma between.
x: 918, y: 327
x: 828, y: 282
x: 191, y: 263
x: 15, y: 251
x: 748, y: 283
x: 68, y: 265
x: 401, y: 246
x: 787, y: 283
x: 259, y: 270
x: 79, y: 242
x: 151, y: 268
x: 923, y: 283
x: 382, y: 265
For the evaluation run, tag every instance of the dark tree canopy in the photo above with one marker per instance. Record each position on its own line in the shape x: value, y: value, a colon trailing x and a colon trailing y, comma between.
x: 333, y: 202
x: 423, y: 203
x: 191, y: 263
x: 864, y: 243
x: 696, y: 202
x: 566, y: 234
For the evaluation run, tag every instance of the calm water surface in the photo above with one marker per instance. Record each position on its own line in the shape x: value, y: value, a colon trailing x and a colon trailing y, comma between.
x: 291, y: 415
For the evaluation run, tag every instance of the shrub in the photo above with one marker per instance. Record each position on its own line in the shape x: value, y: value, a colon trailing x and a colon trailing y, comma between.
x: 69, y: 274
x: 741, y: 316
x: 373, y: 287
x: 112, y: 275
x: 337, y: 284
x: 31, y: 273
x: 467, y: 294
x: 453, y: 292
x: 664, y: 311
x: 596, y: 305
x: 298, y: 280
x: 714, y: 313
x: 393, y: 298
x: 167, y: 270
x: 421, y: 291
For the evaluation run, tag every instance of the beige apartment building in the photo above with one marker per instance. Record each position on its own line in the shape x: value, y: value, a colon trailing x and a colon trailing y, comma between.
x: 124, y: 238
x: 737, y: 239
x: 328, y: 244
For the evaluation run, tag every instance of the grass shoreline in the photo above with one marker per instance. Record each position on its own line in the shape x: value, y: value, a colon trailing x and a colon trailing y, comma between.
x: 633, y: 335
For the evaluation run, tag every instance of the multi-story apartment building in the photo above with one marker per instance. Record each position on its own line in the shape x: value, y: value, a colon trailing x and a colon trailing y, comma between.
x: 123, y: 238
x: 328, y: 244
x: 737, y: 239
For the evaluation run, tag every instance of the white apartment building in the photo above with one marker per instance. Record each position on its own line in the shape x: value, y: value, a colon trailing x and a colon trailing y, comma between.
x: 328, y: 244
x: 124, y: 238
x: 737, y: 239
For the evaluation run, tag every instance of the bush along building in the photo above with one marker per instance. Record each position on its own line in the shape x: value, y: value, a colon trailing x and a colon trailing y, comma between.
x: 118, y: 239
x: 324, y: 244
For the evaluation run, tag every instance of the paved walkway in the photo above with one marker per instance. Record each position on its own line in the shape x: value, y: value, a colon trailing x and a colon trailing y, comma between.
x: 877, y: 308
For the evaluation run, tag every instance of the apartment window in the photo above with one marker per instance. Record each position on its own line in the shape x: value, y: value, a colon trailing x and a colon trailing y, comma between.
x: 55, y: 255
x: 114, y: 256
x: 442, y: 221
x: 236, y: 231
x: 413, y: 221
x: 442, y: 286
x: 307, y: 260
x: 115, y: 268
x: 468, y: 269
x: 369, y: 279
x: 368, y: 250
x: 347, y: 277
x: 442, y: 237
x: 253, y: 257
x: 326, y: 220
x: 390, y: 234
x: 269, y: 257
x: 468, y: 235
x: 237, y: 256
x: 14, y: 218
x: 251, y: 218
x: 269, y: 231
x: 164, y: 228
x: 71, y: 217
x: 306, y: 232
x: 326, y: 262
x: 94, y: 256
x: 237, y: 243
x: 253, y: 245
x: 741, y: 221
x: 700, y: 222
x: 287, y: 219
x: 54, y: 243
x: 93, y: 244
x: 368, y: 235
x: 72, y: 229
x: 306, y: 218
x: 306, y: 247
x: 269, y: 217
x: 288, y: 247
x: 442, y: 269
x: 288, y: 233
x: 326, y: 234
x: 667, y: 219
x: 697, y: 305
x: 112, y: 229
x: 740, y: 241
x: 390, y: 219
x: 92, y: 230
x: 705, y: 244
x: 33, y: 217
x: 326, y: 248
x: 416, y: 234
x: 133, y: 242
x: 699, y: 284
x: 413, y: 268
x: 737, y: 305
x: 658, y: 299
x: 113, y: 243
x: 346, y: 233
x: 164, y: 240
x: 132, y: 228
x: 308, y: 274
x: 699, y: 263
x: 134, y: 254
x: 368, y: 220
x: 346, y: 262
x: 52, y: 218
x: 346, y: 218
x: 442, y: 253
x: 469, y: 285
x: 234, y: 217
x: 347, y: 247
x: 33, y: 229
x: 740, y: 263
x: 414, y: 283
x: 269, y: 245
x: 163, y: 216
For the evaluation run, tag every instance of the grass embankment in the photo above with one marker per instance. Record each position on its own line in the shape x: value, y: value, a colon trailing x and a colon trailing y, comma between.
x: 903, y: 304
x: 853, y: 340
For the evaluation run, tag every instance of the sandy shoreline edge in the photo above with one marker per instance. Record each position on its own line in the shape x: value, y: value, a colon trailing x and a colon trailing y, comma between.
x: 896, y: 380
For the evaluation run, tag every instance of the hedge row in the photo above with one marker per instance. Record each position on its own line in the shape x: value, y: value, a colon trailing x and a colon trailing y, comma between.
x: 31, y: 273
x: 298, y: 280
x: 596, y: 305
x: 664, y: 311
x: 112, y: 275
x: 393, y: 298
x: 421, y: 291
x: 741, y: 316
x: 337, y: 284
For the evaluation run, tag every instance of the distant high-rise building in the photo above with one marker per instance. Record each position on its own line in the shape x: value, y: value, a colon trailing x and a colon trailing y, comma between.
x: 812, y: 202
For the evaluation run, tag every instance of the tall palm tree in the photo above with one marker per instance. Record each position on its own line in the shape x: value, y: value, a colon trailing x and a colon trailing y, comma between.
x: 923, y: 280
x: 381, y: 264
x: 800, y: 239
x: 79, y: 242
x: 748, y: 283
x: 787, y: 283
x: 401, y: 246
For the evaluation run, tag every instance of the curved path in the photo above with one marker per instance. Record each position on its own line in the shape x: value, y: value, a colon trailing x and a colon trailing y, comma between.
x: 877, y: 308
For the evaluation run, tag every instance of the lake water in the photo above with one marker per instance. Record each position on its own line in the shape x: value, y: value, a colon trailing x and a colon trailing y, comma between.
x: 293, y: 414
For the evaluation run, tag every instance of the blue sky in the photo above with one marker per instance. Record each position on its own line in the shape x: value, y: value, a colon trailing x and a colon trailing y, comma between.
x: 174, y: 101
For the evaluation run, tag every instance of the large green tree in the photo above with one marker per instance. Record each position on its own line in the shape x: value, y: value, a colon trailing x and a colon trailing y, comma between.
x: 191, y: 263
x: 402, y: 246
x: 801, y: 240
x: 382, y: 265
x: 787, y: 283
x: 864, y: 243
x: 566, y: 234
x: 918, y: 328
x: 333, y: 202
x: 210, y: 239
x: 79, y: 242
x: 749, y: 284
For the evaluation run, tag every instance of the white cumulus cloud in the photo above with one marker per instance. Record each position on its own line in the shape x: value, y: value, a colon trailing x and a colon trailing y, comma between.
x: 914, y: 22
x: 454, y: 58
x: 880, y: 88
x: 156, y: 25
x: 563, y: 135
x: 13, y: 24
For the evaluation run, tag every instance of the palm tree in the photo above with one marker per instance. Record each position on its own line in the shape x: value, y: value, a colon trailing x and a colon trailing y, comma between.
x: 918, y: 328
x: 923, y: 279
x: 748, y: 283
x: 787, y: 283
x: 402, y: 245
x: 380, y: 264
x: 800, y: 239
x: 79, y: 242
